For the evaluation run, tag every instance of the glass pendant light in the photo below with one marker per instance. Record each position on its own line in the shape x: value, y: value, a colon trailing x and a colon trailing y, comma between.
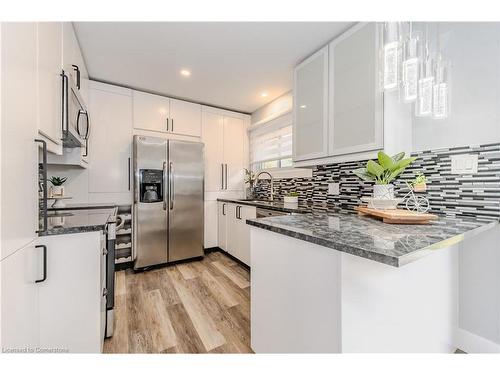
x: 440, y: 93
x: 424, y: 103
x: 391, y: 56
x: 440, y: 90
x: 410, y: 67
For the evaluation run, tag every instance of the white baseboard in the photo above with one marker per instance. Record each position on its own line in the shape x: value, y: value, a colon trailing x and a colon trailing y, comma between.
x: 472, y: 343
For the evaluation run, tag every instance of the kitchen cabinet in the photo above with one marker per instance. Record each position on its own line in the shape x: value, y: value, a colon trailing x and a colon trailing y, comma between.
x: 222, y: 224
x: 74, y: 273
x: 185, y: 118
x: 234, y: 154
x: 110, y: 147
x: 19, y: 152
x: 339, y: 106
x: 225, y: 138
x: 151, y: 112
x: 72, y: 55
x: 49, y: 66
x: 356, y: 100
x: 213, y: 138
x: 162, y: 114
x: 232, y: 222
x: 20, y: 325
x: 310, y: 124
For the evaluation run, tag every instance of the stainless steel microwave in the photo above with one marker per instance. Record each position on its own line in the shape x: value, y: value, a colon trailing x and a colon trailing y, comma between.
x: 75, y: 116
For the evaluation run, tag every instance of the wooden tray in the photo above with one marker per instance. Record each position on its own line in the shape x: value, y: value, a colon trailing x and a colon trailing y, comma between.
x: 397, y: 216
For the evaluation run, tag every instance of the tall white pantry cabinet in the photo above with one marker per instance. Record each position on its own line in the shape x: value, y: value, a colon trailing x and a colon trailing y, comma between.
x: 225, y: 135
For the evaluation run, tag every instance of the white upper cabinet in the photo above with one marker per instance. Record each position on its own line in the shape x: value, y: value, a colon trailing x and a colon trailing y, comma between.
x: 19, y: 152
x: 185, y: 118
x: 356, y: 101
x: 161, y: 114
x: 49, y: 63
x: 234, y: 152
x: 72, y: 56
x: 151, y: 112
x: 213, y: 138
x: 310, y: 125
x: 110, y: 147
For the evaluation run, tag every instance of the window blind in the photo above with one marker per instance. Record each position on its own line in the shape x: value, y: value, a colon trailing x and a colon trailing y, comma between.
x: 272, y: 140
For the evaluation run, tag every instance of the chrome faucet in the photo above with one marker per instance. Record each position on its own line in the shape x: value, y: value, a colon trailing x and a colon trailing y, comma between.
x: 272, y: 182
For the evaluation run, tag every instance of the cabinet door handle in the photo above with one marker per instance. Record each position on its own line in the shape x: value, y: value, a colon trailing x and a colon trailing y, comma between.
x: 225, y: 167
x: 224, y: 209
x: 64, y: 104
x: 44, y: 263
x: 222, y: 176
x: 167, y: 123
x: 238, y: 212
x: 44, y: 183
x: 172, y: 127
x: 77, y: 70
x: 128, y: 166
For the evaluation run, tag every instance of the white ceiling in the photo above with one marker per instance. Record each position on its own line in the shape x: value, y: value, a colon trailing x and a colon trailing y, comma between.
x: 231, y: 64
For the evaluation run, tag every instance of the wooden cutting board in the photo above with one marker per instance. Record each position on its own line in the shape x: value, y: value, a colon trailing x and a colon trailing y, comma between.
x: 397, y: 216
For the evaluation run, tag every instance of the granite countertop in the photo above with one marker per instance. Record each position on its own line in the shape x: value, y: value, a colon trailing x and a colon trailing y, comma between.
x: 271, y: 205
x: 68, y: 221
x: 370, y: 238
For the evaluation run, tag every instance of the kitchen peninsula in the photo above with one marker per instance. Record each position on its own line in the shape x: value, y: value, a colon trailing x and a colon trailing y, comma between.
x: 338, y: 282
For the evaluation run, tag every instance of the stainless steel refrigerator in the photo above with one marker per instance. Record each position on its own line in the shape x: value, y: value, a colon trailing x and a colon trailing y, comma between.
x: 168, y: 200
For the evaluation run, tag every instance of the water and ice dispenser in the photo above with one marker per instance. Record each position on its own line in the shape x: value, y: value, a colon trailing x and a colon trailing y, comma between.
x: 150, y: 185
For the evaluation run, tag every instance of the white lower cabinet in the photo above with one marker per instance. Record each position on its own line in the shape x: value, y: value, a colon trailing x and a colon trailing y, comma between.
x: 234, y: 233
x: 20, y: 300
x: 72, y: 298
x: 222, y: 225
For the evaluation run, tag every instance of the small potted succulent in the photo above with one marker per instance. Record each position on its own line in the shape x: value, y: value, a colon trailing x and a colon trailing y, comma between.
x: 419, y: 183
x: 291, y: 197
x: 384, y: 172
x: 250, y: 180
x: 57, y: 189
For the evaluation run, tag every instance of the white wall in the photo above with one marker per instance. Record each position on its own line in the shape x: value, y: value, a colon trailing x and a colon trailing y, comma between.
x: 474, y: 51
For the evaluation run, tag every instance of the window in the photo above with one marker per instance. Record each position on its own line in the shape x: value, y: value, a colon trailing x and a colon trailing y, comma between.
x: 271, y: 144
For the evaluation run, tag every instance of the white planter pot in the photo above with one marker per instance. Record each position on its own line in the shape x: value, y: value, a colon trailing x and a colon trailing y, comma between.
x: 57, y: 191
x: 287, y: 199
x: 383, y: 191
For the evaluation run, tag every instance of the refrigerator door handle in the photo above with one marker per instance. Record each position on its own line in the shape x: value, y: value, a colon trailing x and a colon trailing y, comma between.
x: 165, y: 174
x: 172, y: 186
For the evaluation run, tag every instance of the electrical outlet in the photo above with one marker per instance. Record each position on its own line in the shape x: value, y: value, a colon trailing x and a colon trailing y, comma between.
x: 334, y: 188
x: 464, y: 164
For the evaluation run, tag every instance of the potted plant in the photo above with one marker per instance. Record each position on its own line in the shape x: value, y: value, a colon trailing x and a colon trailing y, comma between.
x: 57, y: 190
x: 384, y: 172
x: 250, y: 180
x: 291, y: 197
x: 419, y: 183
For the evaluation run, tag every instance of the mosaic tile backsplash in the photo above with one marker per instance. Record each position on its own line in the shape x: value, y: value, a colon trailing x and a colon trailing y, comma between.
x: 449, y: 194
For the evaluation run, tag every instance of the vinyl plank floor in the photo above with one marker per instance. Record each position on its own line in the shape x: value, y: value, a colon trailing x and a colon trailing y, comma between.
x: 196, y: 307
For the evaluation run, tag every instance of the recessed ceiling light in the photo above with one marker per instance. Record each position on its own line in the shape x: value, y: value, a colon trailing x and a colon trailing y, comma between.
x: 303, y: 106
x: 185, y: 72
x: 264, y: 94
